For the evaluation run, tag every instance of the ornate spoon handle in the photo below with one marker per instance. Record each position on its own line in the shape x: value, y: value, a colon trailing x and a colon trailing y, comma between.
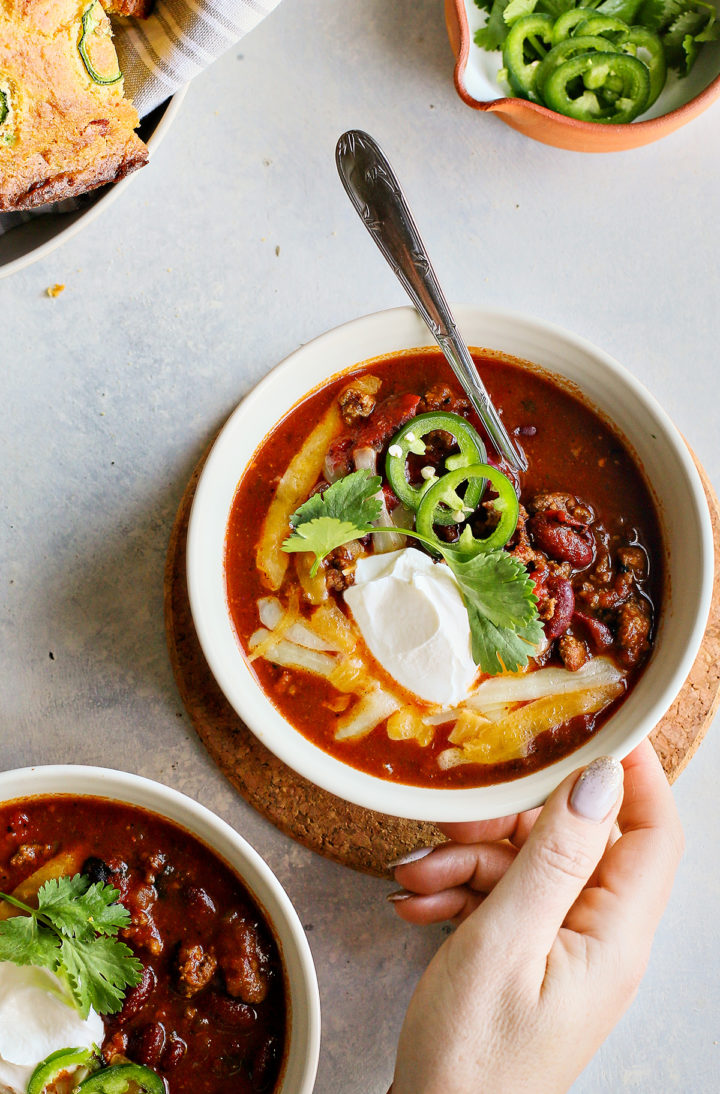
x: 375, y: 192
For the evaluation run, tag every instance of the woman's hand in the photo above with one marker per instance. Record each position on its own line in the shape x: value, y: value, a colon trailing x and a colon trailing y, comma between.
x: 557, y: 921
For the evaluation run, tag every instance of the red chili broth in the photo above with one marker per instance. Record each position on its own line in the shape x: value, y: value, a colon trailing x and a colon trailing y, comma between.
x: 573, y: 450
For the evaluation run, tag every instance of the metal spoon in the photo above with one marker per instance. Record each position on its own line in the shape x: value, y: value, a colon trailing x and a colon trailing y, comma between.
x: 377, y: 196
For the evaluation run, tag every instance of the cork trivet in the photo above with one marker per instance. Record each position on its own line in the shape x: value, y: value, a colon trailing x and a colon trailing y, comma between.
x: 357, y: 837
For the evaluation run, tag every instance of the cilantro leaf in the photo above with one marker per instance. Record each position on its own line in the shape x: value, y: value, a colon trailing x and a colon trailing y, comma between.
x: 498, y: 586
x: 658, y: 14
x: 98, y: 971
x: 495, y: 31
x: 499, y: 596
x: 517, y: 8
x: 501, y: 649
x: 25, y: 942
x: 557, y: 7
x: 321, y: 536
x: 72, y: 933
x: 342, y: 513
x: 351, y: 498
x: 96, y: 913
x: 620, y: 9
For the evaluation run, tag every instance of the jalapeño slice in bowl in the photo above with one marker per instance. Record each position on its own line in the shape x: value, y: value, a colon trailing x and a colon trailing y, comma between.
x: 123, y: 1079
x: 410, y: 441
x: 96, y: 48
x: 647, y: 47
x: 442, y: 498
x: 526, y: 45
x: 565, y: 24
x: 611, y: 88
x: 54, y: 1066
x: 563, y: 51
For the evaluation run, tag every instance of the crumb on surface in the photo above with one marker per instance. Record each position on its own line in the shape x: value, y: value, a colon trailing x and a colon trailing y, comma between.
x: 55, y: 290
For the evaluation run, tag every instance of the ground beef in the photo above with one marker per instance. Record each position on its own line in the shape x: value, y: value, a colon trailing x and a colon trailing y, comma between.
x: 633, y: 633
x: 340, y: 567
x: 520, y: 546
x: 356, y: 404
x: 573, y: 651
x: 633, y: 560
x: 194, y: 968
x: 562, y: 503
x: 244, y: 960
x: 441, y: 397
x: 31, y: 854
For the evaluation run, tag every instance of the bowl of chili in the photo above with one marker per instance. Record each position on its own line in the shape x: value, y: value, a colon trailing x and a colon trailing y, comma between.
x: 254, y: 453
x: 224, y: 997
x: 630, y: 96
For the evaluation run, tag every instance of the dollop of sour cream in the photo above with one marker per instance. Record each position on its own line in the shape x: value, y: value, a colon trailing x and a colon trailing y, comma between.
x: 414, y: 622
x: 37, y: 1017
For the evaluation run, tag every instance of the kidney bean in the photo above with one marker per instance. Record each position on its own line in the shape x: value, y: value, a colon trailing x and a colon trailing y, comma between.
x: 200, y: 902
x: 231, y: 1013
x: 173, y: 1054
x: 600, y: 635
x: 138, y: 996
x: 264, y: 1065
x: 151, y: 1044
x: 561, y: 541
x: 560, y: 589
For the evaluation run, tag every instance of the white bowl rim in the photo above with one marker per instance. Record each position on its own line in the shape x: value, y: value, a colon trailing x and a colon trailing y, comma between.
x: 153, y: 142
x: 79, y: 780
x: 399, y: 799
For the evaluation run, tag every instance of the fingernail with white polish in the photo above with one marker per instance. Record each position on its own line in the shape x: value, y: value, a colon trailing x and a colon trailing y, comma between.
x: 411, y: 856
x: 597, y: 789
x: 401, y: 894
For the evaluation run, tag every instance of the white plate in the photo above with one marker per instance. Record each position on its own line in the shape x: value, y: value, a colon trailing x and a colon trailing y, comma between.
x: 41, y: 234
x: 659, y: 448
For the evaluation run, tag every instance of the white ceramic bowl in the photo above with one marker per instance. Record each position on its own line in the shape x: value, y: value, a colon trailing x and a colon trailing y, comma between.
x: 659, y: 448
x: 302, y: 1052
x: 42, y: 233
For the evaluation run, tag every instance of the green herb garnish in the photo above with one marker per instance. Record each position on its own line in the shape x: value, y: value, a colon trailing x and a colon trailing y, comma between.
x: 73, y: 933
x: 497, y: 590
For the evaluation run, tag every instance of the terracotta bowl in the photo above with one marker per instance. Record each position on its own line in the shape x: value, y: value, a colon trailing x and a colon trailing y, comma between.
x: 477, y: 85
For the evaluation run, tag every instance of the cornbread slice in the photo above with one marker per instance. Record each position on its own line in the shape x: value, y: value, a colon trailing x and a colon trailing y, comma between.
x: 65, y: 126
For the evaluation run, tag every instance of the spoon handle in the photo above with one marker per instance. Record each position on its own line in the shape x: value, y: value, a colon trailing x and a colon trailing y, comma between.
x: 376, y: 194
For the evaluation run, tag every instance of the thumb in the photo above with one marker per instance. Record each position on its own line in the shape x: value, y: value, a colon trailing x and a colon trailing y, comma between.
x: 558, y: 858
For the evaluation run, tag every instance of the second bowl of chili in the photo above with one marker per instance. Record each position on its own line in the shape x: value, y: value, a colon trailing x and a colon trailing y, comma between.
x: 221, y: 994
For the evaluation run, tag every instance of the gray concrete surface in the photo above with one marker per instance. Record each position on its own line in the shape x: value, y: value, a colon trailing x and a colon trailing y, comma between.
x: 236, y: 245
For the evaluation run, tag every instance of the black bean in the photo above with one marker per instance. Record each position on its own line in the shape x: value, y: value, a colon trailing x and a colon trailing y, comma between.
x: 97, y: 870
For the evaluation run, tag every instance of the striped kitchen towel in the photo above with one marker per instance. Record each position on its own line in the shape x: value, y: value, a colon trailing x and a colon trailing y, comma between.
x: 160, y: 54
